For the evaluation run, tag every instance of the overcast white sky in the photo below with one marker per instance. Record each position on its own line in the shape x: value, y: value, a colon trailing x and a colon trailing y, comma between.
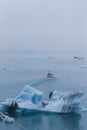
x: 43, y: 25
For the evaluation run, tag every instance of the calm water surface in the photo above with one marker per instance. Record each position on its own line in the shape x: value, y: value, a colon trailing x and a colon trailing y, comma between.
x: 19, y: 69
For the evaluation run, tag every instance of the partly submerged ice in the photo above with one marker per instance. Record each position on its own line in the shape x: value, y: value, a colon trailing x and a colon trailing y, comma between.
x: 30, y: 100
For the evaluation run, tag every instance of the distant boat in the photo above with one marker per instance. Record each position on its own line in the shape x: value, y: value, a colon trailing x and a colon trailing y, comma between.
x: 49, y: 74
x: 78, y: 58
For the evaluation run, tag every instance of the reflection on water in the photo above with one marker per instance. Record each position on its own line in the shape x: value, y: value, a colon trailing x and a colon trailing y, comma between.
x: 71, y: 121
x: 49, y: 121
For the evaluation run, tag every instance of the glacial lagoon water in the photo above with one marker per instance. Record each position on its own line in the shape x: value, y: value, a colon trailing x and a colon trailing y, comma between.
x: 20, y: 68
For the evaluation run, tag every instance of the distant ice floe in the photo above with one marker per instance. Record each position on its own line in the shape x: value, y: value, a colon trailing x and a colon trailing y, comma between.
x: 7, y: 68
x: 83, y: 66
x: 3, y: 68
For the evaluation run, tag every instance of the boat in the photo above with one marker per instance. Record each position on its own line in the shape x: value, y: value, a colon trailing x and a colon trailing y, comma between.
x: 49, y: 74
x: 78, y: 58
x: 30, y: 100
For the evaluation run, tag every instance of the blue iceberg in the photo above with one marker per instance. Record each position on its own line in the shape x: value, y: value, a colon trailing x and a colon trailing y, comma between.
x: 30, y: 100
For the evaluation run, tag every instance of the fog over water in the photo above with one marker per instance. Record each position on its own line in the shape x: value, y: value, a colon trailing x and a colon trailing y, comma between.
x: 43, y: 25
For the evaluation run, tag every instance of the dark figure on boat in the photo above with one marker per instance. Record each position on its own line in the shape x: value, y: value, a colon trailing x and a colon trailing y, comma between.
x: 49, y: 74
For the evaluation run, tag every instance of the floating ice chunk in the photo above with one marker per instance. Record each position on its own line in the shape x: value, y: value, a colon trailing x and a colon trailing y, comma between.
x: 29, y: 100
x: 6, y: 118
x: 83, y: 66
x: 3, y: 68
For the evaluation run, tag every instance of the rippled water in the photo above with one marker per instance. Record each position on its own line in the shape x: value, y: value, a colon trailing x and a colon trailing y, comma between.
x: 19, y: 69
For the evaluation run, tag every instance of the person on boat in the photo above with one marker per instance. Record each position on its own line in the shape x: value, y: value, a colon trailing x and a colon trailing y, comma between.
x: 49, y: 74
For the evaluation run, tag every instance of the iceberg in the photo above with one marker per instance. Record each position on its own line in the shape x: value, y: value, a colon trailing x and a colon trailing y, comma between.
x: 30, y: 100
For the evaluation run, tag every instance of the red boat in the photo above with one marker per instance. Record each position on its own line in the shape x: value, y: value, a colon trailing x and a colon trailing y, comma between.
x: 49, y: 74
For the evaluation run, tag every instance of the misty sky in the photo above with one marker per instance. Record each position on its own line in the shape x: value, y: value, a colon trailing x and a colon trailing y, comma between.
x: 43, y: 25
